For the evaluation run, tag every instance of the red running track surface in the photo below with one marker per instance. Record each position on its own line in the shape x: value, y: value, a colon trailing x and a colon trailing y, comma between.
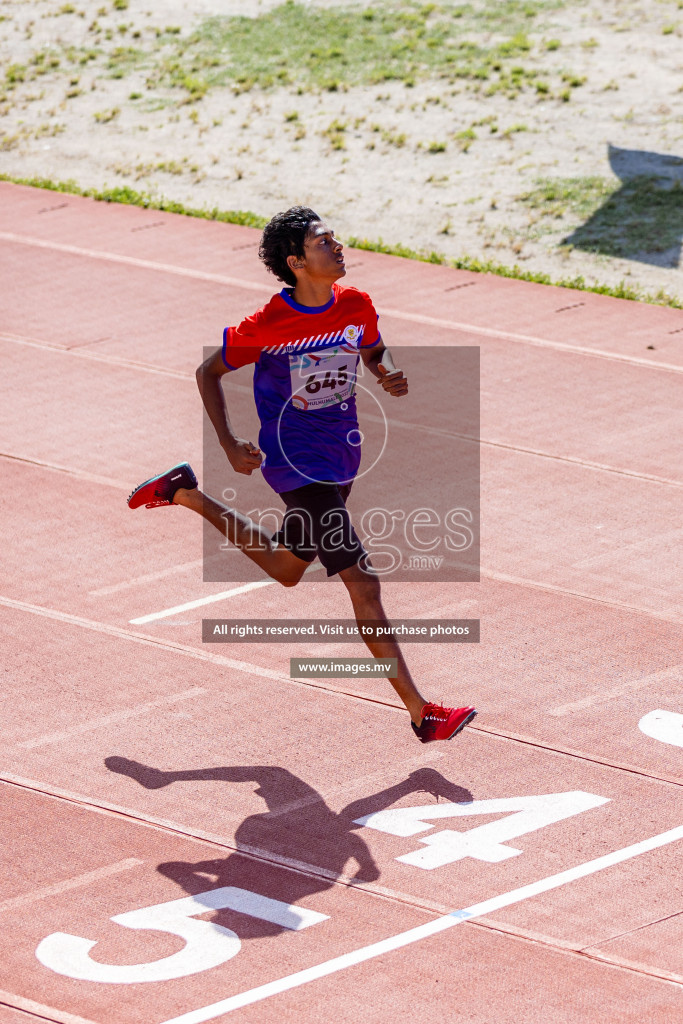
x: 142, y: 768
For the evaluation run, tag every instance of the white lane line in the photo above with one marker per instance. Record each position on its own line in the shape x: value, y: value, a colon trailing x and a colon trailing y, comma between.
x: 197, y: 653
x: 116, y: 716
x: 70, y: 883
x: 201, y: 654
x: 426, y: 428
x: 674, y: 672
x: 189, y: 605
x: 222, y: 842
x: 526, y: 339
x: 599, y: 467
x: 551, y: 588
x: 418, y: 318
x: 102, y: 357
x: 96, y: 357
x: 423, y: 931
x: 39, y: 1009
x: 135, y: 261
x: 211, y: 599
x: 79, y: 474
x: 633, y: 965
x: 150, y: 577
x: 169, y: 646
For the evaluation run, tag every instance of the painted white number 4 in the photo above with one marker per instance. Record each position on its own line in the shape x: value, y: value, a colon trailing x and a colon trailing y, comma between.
x: 206, y: 944
x: 524, y: 814
x: 665, y: 726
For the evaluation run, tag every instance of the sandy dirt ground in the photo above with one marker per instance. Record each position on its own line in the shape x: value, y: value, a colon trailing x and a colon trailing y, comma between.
x: 432, y: 165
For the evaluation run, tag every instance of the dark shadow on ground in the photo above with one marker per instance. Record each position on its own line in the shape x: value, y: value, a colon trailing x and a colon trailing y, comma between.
x: 643, y: 219
x: 297, y: 828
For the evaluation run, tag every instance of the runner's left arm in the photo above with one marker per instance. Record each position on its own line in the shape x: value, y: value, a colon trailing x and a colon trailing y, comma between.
x: 379, y: 361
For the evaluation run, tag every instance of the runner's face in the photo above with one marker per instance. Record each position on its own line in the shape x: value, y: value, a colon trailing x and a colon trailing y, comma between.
x: 323, y: 253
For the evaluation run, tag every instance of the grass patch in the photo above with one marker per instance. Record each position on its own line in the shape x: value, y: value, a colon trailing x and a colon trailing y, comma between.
x: 105, y: 116
x: 555, y: 197
x: 335, y: 133
x: 393, y: 138
x: 13, y: 74
x: 253, y: 220
x: 642, y: 215
x: 465, y: 138
x: 620, y: 291
x: 8, y: 142
x: 123, y: 59
x: 320, y: 48
x: 332, y: 48
x: 131, y: 197
x: 514, y: 129
x: 510, y: 81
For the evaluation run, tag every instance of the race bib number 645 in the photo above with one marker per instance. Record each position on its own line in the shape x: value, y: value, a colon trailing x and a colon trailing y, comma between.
x: 320, y: 379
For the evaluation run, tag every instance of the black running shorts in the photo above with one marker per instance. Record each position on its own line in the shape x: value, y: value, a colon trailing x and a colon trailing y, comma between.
x: 317, y: 523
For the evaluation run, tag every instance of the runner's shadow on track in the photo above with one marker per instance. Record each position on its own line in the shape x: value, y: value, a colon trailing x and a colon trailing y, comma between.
x: 298, y: 829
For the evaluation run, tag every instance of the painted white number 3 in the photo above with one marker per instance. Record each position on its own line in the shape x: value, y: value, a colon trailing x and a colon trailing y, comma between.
x: 206, y: 944
x: 485, y: 842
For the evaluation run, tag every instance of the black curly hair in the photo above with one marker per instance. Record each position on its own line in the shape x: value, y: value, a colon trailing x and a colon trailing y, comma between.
x: 285, y: 236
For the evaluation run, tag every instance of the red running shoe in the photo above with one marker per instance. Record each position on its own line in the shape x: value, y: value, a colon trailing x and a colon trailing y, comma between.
x: 440, y: 723
x: 159, y: 490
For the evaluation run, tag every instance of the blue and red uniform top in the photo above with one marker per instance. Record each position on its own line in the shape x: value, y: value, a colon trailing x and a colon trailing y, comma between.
x: 306, y: 364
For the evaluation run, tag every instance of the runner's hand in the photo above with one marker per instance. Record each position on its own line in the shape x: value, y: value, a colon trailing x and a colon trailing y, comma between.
x: 395, y: 382
x: 243, y: 456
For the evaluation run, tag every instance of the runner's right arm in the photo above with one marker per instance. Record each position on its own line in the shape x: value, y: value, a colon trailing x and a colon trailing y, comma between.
x: 244, y: 457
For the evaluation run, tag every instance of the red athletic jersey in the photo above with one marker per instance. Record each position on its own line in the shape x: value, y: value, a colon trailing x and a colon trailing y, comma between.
x: 304, y: 382
x: 282, y: 322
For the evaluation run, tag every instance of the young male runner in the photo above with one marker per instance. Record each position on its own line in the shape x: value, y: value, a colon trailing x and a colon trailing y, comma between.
x: 305, y: 344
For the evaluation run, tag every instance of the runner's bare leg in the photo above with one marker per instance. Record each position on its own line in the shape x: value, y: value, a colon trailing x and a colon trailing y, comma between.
x: 255, y: 541
x: 364, y: 591
x: 283, y: 566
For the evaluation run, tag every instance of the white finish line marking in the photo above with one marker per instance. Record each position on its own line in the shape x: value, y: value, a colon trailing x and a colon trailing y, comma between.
x: 423, y: 931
